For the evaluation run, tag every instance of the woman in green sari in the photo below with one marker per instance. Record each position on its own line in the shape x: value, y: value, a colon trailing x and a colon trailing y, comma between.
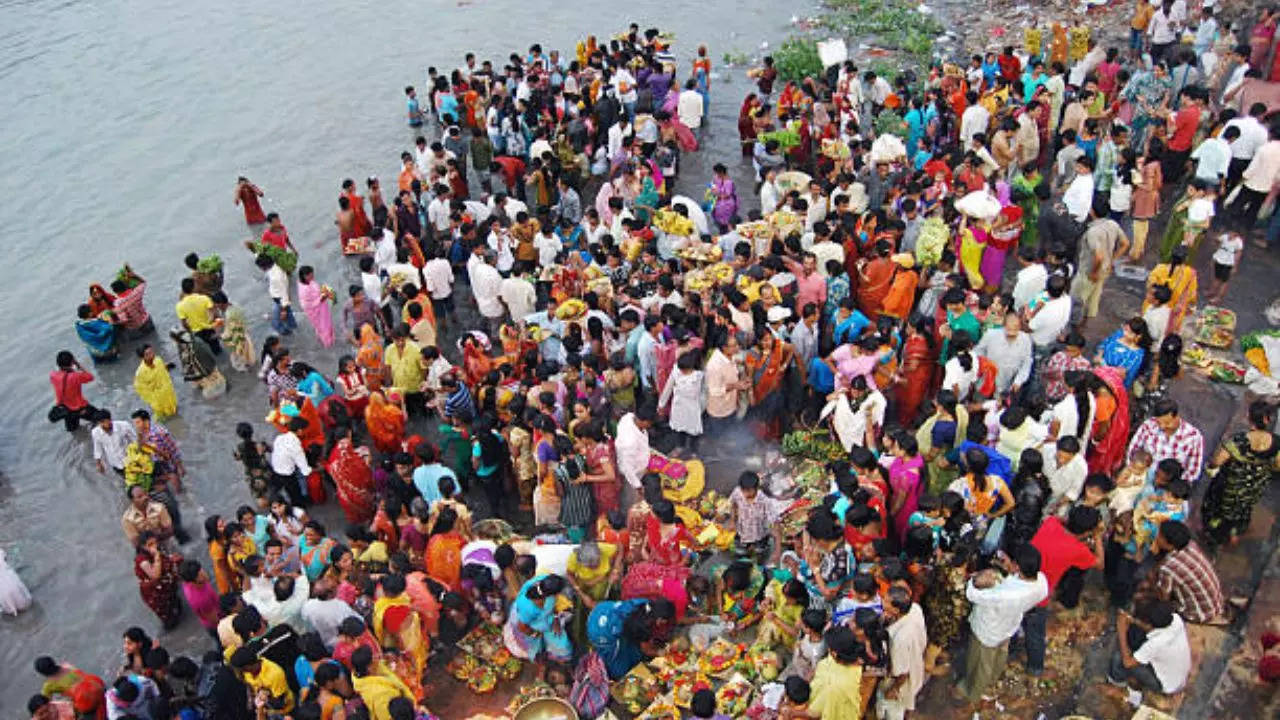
x: 1025, y: 182
x: 647, y: 200
x: 940, y: 434
x: 1149, y: 92
x: 1243, y: 467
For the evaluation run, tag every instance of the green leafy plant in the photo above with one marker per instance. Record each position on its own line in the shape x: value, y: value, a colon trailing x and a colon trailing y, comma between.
x: 896, y: 24
x: 797, y: 58
x: 210, y: 263
x: 736, y: 58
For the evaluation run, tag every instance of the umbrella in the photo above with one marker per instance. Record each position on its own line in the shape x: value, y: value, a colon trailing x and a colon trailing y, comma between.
x: 792, y: 180
x: 696, y: 214
x: 979, y: 204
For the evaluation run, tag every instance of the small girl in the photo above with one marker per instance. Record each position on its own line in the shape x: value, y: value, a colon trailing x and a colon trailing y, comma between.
x: 1225, y: 259
x: 1199, y: 213
x: 252, y: 454
x: 781, y: 610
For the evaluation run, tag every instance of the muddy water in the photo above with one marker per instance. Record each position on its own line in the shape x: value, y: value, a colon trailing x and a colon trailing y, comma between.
x: 126, y: 126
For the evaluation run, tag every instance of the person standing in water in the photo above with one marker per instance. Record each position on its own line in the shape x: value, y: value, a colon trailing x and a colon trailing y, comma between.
x: 247, y: 195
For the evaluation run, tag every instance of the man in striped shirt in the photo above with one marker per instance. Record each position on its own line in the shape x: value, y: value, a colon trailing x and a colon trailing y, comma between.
x: 1185, y: 576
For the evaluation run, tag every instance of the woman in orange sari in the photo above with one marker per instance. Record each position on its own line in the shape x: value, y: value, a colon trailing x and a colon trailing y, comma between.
x: 370, y: 357
x: 476, y: 362
x: 398, y: 627
x: 385, y: 421
x: 919, y: 359
x: 766, y: 365
x: 444, y: 550
x: 100, y: 300
x: 352, y: 473
x: 1110, y: 434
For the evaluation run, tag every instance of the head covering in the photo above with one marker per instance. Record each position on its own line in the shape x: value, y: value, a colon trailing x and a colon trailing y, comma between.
x: 778, y: 313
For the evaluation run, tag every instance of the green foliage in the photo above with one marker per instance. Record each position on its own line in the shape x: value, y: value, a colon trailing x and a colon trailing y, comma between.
x: 797, y: 59
x: 736, y: 58
x: 893, y: 23
x: 210, y: 263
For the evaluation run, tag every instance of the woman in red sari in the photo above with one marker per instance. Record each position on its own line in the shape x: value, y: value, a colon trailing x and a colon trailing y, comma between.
x: 766, y: 365
x: 247, y: 195
x: 360, y: 224
x: 919, y: 360
x: 665, y: 537
x: 100, y: 300
x: 350, y: 466
x: 747, y: 125
x: 1110, y: 433
x: 157, y: 573
x: 385, y: 421
x: 476, y: 362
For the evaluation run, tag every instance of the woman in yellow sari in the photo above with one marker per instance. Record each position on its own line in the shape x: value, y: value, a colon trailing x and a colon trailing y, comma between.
x: 1183, y: 284
x: 397, y: 627
x: 153, y: 384
x: 369, y: 358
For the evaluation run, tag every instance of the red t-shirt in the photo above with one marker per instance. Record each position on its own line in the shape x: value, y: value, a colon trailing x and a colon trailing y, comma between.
x: 66, y: 387
x: 278, y: 239
x: 512, y: 169
x: 1060, y: 551
x: 1185, y: 122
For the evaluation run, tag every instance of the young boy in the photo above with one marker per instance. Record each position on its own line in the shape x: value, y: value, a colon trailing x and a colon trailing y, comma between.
x: 755, y: 517
x: 1225, y: 259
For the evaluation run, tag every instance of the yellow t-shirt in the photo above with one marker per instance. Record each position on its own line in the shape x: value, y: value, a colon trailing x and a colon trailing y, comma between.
x: 406, y: 366
x: 591, y: 576
x: 270, y: 678
x: 194, y: 310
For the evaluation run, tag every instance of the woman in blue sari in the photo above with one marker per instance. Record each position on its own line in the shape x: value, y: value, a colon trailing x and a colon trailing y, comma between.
x: 1126, y: 349
x: 314, y: 549
x: 534, y: 630
x: 97, y: 333
x: 915, y: 126
x: 621, y: 632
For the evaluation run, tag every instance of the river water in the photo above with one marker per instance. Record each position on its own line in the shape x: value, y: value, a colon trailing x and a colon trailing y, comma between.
x: 125, y: 128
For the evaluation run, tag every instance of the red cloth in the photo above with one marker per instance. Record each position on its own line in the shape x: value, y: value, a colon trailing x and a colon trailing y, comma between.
x: 67, y: 386
x: 278, y: 239
x: 512, y: 169
x: 1059, y: 552
x: 1185, y: 122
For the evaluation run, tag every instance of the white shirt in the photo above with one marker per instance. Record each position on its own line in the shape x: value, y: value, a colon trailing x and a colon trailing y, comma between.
x: 438, y: 214
x: 438, y: 275
x: 1068, y: 416
x: 422, y: 159
x: 1157, y: 319
x: 288, y: 611
x: 384, y: 252
x: 768, y: 197
x: 997, y: 611
x: 1029, y: 283
x: 973, y: 121
x: 1167, y: 651
x: 511, y: 206
x: 626, y: 84
x: 632, y: 447
x: 1252, y: 136
x: 959, y: 380
x: 548, y: 247
x: 278, y: 285
x: 689, y: 108
x: 1228, y: 246
x: 287, y: 456
x: 324, y: 617
x: 539, y: 147
x: 1079, y: 197
x: 1212, y: 158
x: 109, y: 447
x: 616, y: 134
x: 907, y: 641
x: 372, y: 285
x: 1264, y: 169
x: 486, y: 284
x: 1161, y: 28
x: 1050, y: 320
x: 1012, y: 359
x: 400, y: 273
x: 1066, y: 481
x: 519, y: 296
x: 655, y: 302
x: 592, y: 235
x: 500, y: 242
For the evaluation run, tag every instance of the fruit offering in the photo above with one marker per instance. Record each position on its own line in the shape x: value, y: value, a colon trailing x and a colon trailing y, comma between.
x: 462, y: 665
x: 734, y: 697
x: 483, y: 680
x: 685, y: 684
x: 719, y: 656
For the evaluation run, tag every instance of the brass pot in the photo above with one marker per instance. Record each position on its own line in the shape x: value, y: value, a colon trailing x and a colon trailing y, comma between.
x: 546, y: 709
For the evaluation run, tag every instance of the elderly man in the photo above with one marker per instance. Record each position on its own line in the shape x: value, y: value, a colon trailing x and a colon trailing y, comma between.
x: 1165, y: 435
x: 908, y: 639
x: 1010, y: 350
x: 146, y: 514
x: 998, y: 607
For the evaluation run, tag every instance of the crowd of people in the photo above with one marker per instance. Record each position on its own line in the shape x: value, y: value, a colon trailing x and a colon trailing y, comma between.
x: 515, y: 352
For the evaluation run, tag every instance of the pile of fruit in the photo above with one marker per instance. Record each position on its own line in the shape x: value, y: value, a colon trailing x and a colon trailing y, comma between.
x: 812, y: 444
x: 733, y: 698
x: 720, y: 657
x: 1217, y: 327
x: 636, y: 692
x: 571, y: 309
x: 673, y: 223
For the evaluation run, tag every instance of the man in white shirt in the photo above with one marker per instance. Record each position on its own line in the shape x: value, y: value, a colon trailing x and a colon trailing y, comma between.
x: 373, y: 288
x: 278, y: 290
x: 1213, y: 157
x: 1163, y: 30
x: 324, y: 613
x: 1030, y: 279
x: 1065, y: 468
x: 618, y: 133
x: 283, y: 606
x: 592, y: 228
x: 908, y: 639
x: 519, y: 296
x: 548, y: 245
x: 438, y: 210
x: 1253, y: 135
x: 1079, y: 195
x: 1262, y: 172
x: 998, y: 607
x: 437, y: 276
x: 625, y: 84
x: 1052, y: 317
x: 689, y: 105
x: 631, y: 443
x: 486, y: 285
x: 110, y: 438
x: 1152, y: 651
x: 422, y: 156
x: 975, y: 118
x: 289, y: 461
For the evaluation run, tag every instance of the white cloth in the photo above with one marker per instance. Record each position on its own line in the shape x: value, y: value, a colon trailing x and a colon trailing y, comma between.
x: 851, y: 423
x: 1050, y: 320
x: 439, y: 278
x: 287, y: 456
x: 1168, y: 652
x: 14, y: 596
x: 324, y: 617
x: 997, y: 611
x: 486, y: 284
x: 1079, y: 197
x: 519, y: 295
x: 686, y: 393
x: 1029, y: 283
x: 632, y: 448
x: 109, y: 447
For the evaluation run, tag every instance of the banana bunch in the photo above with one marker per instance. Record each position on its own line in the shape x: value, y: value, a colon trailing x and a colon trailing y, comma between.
x: 722, y: 272
x: 1077, y: 43
x: 673, y: 223
x: 571, y: 309
x: 1031, y: 40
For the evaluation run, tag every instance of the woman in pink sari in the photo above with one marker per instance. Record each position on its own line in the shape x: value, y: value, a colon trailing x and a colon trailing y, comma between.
x: 906, y: 472
x: 1264, y: 33
x: 315, y: 299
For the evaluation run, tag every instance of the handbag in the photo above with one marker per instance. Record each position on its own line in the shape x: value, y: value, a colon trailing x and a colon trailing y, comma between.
x: 60, y: 412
